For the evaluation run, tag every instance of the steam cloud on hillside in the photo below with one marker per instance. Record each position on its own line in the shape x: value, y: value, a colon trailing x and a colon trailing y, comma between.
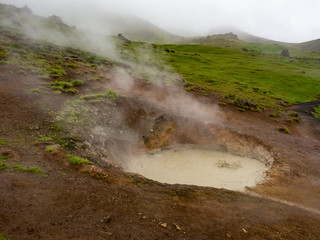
x: 146, y: 66
x: 285, y: 20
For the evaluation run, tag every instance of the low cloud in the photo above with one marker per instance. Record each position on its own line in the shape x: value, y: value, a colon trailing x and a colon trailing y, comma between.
x: 286, y: 20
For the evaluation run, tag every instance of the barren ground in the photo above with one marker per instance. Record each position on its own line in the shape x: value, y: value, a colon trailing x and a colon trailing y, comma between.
x: 67, y: 203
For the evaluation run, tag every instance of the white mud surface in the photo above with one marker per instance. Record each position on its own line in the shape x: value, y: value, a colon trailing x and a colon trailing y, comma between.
x: 200, y: 167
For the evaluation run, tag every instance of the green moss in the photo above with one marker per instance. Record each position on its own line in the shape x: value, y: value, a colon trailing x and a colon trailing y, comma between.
x: 57, y: 128
x: 222, y: 103
x: 34, y: 170
x: 62, y: 84
x: 3, y: 54
x: 66, y: 87
x: 94, y: 79
x: 92, y: 59
x: 3, y: 164
x: 112, y: 95
x: 43, y: 139
x: 229, y: 96
x: 22, y: 72
x: 273, y: 115
x: 189, y: 89
x: 71, y: 91
x: 50, y: 148
x: 38, y: 90
x: 3, y: 141
x: 316, y: 111
x: 284, y: 129
x: 16, y: 46
x: 71, y: 65
x: 295, y: 117
x: 76, y: 82
x: 56, y: 72
x: 79, y: 161
x: 2, y: 237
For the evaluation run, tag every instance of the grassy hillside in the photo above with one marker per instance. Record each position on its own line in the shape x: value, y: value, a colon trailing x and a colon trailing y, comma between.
x: 269, y: 47
x: 261, y: 78
x: 258, y: 75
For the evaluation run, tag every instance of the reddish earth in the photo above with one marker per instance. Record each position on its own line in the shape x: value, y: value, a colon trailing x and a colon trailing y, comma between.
x: 68, y: 203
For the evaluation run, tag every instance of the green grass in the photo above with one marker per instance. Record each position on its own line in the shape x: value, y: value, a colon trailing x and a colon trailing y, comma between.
x: 66, y: 87
x: 260, y: 78
x: 3, y: 163
x: 57, y: 71
x: 276, y: 49
x: 2, y: 237
x: 273, y: 115
x: 71, y: 65
x: 50, y: 148
x: 40, y: 90
x: 284, y: 129
x: 76, y: 82
x: 3, y: 141
x: 93, y: 59
x: 71, y: 91
x: 42, y: 139
x: 34, y: 170
x: 111, y: 95
x: 294, y: 117
x: 61, y: 84
x: 79, y: 161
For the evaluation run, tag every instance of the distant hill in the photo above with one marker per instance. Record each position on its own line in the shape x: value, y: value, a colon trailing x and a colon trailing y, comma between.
x: 52, y: 29
x: 135, y: 29
x: 131, y: 27
x: 254, y: 39
x: 22, y: 20
x: 313, y: 46
x: 140, y: 30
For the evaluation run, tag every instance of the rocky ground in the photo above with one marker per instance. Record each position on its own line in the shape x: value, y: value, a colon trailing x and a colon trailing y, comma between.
x: 99, y: 201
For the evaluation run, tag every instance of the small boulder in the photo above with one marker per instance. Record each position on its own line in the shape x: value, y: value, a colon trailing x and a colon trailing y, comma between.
x: 285, y: 53
x: 123, y: 38
x: 164, y: 225
x: 57, y: 20
x: 26, y: 10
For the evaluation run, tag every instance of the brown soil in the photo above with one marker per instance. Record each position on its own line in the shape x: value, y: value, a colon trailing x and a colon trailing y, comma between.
x: 105, y: 203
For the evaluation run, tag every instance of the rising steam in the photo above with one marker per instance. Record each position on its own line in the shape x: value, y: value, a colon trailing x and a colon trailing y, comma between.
x: 139, y: 74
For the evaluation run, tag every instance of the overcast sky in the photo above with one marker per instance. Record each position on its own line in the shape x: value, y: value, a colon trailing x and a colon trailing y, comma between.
x: 282, y: 20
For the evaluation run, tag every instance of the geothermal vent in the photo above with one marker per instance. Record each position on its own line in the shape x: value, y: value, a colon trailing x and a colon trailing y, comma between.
x: 198, y: 166
x: 198, y: 154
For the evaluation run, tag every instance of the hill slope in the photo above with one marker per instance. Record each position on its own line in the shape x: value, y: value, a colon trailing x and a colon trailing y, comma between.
x: 140, y: 30
x: 313, y: 46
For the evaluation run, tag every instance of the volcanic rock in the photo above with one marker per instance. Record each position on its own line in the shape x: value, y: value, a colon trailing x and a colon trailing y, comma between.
x: 285, y: 53
x: 57, y: 20
x: 123, y: 38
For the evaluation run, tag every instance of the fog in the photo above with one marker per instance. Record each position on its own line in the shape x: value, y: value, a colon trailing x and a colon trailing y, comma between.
x: 281, y: 20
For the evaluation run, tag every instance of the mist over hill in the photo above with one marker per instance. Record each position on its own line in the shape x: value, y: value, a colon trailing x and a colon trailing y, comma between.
x: 135, y: 27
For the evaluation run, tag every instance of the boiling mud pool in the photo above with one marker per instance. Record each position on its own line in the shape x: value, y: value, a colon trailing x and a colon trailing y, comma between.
x: 200, y: 167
